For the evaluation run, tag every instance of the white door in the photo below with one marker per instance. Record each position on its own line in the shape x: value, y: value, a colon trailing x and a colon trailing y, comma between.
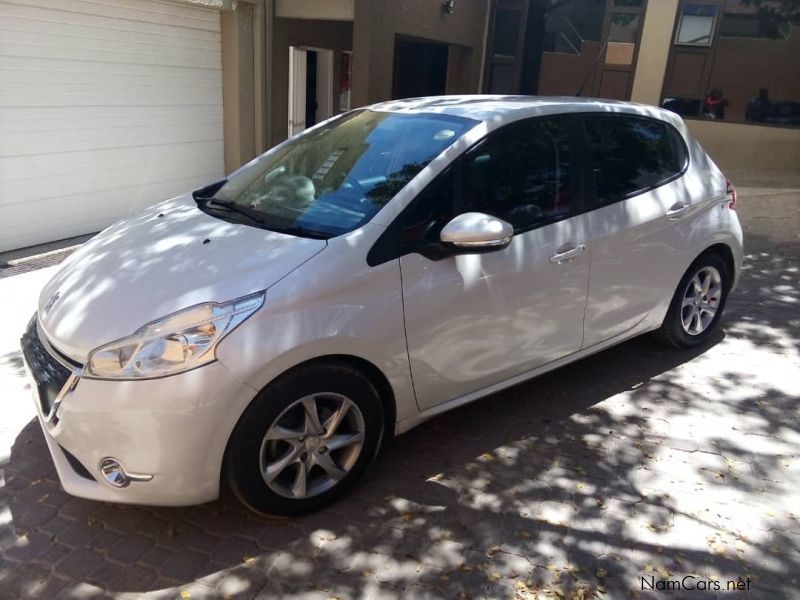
x: 105, y: 107
x: 297, y: 90
x: 642, y: 229
x: 474, y: 320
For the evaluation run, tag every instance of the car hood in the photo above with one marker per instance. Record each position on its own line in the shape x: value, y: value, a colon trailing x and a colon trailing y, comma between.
x: 170, y: 257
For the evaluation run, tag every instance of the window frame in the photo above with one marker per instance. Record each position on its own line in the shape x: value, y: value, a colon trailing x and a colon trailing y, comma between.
x: 714, y: 24
x: 388, y: 246
x: 590, y: 184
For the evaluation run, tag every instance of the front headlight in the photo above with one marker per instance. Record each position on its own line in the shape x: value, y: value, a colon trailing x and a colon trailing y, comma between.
x: 174, y: 344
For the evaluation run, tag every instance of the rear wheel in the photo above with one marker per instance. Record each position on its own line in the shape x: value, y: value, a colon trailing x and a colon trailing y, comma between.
x: 305, y: 440
x: 696, y: 307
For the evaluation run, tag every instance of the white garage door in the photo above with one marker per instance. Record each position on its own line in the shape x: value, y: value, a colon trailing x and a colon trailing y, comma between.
x: 105, y: 106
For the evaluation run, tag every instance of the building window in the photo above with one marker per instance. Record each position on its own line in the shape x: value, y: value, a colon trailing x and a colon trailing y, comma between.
x: 623, y: 27
x: 746, y: 73
x: 747, y: 21
x: 696, y: 25
x: 569, y: 24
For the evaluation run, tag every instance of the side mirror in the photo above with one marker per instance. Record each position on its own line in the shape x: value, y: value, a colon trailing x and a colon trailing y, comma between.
x: 477, y: 232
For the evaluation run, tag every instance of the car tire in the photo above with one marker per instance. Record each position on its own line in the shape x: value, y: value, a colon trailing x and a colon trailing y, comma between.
x: 274, y: 445
x: 688, y: 322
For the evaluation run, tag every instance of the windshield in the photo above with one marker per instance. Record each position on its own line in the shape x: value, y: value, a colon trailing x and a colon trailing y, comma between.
x: 334, y: 179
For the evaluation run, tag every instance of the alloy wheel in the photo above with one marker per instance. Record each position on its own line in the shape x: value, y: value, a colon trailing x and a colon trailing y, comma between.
x: 701, y: 300
x: 312, y: 445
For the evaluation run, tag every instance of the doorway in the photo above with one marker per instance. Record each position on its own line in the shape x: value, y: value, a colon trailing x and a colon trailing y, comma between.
x: 310, y: 87
x: 420, y: 68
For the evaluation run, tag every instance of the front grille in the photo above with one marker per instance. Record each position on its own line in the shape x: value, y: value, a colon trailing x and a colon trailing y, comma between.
x: 49, y: 374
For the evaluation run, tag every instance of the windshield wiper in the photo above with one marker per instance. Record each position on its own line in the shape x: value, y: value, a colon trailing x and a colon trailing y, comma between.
x: 230, y: 206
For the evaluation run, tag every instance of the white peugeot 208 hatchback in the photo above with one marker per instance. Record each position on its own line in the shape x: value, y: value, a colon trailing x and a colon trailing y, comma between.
x: 392, y: 263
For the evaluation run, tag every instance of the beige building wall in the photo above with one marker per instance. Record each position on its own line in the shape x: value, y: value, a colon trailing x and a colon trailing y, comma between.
x: 659, y: 22
x: 377, y: 23
x: 335, y: 10
x: 749, y: 147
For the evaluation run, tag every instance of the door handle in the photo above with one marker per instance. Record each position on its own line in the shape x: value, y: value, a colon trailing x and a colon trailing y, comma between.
x: 568, y: 255
x: 677, y: 210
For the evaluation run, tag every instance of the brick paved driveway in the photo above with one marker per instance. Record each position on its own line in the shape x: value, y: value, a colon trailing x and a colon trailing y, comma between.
x: 639, y: 462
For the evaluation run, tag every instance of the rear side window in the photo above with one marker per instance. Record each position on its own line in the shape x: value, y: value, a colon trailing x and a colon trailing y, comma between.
x: 631, y: 155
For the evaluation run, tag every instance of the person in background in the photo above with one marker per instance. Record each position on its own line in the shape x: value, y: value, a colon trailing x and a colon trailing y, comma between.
x: 714, y: 105
x: 758, y: 107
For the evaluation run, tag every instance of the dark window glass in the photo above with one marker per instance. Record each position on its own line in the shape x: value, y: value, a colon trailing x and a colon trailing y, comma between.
x: 502, y: 80
x: 754, y: 23
x: 569, y: 24
x: 623, y: 27
x: 521, y: 174
x: 430, y: 212
x: 506, y: 32
x: 630, y: 155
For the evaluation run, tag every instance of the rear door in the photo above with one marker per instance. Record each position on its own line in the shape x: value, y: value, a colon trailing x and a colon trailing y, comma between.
x: 474, y: 320
x: 641, y: 221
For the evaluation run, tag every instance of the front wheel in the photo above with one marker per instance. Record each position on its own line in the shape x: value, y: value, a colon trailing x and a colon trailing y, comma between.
x: 305, y: 440
x: 696, y: 307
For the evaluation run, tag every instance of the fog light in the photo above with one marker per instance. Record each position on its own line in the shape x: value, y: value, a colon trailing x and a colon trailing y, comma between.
x: 115, y: 474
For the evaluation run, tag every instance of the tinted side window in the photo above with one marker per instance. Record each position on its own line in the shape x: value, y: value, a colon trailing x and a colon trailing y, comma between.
x: 630, y: 155
x: 522, y: 173
x: 425, y: 218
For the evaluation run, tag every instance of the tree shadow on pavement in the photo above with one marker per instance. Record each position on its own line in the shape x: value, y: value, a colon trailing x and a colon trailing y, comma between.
x: 639, y: 462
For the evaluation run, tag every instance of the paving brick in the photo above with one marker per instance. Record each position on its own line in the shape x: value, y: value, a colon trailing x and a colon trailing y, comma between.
x: 129, y: 549
x: 78, y: 534
x: 184, y: 566
x: 76, y: 565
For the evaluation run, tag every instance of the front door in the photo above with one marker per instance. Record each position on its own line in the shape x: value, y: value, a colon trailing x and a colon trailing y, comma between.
x: 474, y: 320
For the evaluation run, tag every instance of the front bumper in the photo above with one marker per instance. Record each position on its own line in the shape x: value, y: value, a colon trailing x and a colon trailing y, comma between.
x: 174, y: 429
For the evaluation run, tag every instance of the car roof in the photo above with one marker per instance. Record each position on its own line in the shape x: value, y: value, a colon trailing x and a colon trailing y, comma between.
x: 500, y: 109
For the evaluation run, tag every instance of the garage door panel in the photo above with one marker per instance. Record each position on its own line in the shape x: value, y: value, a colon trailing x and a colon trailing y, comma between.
x: 193, y: 92
x: 31, y: 16
x: 30, y: 168
x: 109, y: 95
x: 76, y: 119
x: 35, y: 50
x: 106, y: 106
x: 144, y: 11
x: 52, y: 185
x: 34, y: 69
x: 189, y: 38
x: 69, y: 212
x: 141, y: 50
x: 103, y: 140
x: 69, y: 140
